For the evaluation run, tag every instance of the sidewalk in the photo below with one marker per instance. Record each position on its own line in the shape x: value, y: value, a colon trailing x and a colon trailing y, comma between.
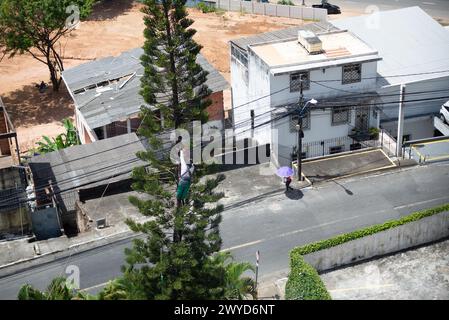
x: 249, y: 184
x: 272, y: 287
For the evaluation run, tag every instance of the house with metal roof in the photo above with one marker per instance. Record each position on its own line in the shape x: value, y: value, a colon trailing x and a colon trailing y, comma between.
x: 269, y: 71
x: 84, y: 172
x: 107, y: 99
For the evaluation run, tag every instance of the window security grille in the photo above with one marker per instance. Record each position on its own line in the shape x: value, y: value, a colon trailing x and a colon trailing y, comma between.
x: 352, y: 73
x: 294, y: 122
x: 341, y: 116
x: 295, y: 81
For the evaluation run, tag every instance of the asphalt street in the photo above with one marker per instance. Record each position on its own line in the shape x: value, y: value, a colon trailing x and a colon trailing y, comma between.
x: 276, y: 224
x: 435, y: 8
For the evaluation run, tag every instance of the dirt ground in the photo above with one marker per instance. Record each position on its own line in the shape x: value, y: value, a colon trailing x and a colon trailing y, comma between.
x: 114, y: 27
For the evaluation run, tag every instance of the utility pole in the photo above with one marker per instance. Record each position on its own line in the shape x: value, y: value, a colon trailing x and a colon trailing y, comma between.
x: 300, y: 132
x: 252, y: 123
x: 257, y: 265
x: 400, y: 121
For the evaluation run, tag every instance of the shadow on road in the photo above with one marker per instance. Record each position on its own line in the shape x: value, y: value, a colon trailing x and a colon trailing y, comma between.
x: 253, y: 199
x: 349, y: 192
x: 294, y: 194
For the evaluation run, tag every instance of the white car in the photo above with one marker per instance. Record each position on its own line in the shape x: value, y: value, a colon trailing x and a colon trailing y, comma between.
x: 444, y: 112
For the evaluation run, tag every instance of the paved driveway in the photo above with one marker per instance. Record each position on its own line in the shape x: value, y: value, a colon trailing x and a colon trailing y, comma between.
x: 421, y: 274
x: 346, y: 165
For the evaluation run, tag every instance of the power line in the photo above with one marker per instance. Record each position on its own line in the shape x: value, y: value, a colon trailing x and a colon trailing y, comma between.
x: 238, y: 133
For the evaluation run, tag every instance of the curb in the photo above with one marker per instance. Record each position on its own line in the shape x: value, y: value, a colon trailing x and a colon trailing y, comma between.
x: 30, y: 263
x: 370, y: 172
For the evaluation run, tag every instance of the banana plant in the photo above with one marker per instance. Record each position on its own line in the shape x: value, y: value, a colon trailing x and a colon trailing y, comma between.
x: 64, y: 140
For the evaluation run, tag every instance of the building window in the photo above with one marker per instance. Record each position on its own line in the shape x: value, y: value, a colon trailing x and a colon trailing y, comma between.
x: 352, y: 73
x: 341, y: 116
x: 295, y: 81
x: 294, y: 122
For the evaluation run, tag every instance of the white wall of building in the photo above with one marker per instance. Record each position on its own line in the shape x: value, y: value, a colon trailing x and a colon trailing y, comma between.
x: 416, y: 126
x: 258, y: 85
x: 262, y: 83
x: 317, y: 91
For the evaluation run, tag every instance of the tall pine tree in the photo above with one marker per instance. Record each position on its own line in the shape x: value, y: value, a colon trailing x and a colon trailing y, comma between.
x: 173, y: 261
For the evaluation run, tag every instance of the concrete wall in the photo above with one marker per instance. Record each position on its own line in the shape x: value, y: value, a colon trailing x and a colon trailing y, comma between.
x: 258, y: 86
x: 272, y: 9
x: 393, y: 240
x: 417, y: 128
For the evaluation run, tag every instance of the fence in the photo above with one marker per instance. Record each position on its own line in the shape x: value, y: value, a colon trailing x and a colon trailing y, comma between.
x: 335, y: 145
x: 269, y: 9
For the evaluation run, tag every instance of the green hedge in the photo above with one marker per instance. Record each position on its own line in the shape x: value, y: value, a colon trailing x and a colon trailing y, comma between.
x: 303, y: 282
x: 340, y: 239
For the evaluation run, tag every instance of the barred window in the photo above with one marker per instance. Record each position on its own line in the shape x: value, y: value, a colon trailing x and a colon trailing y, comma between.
x: 352, y: 73
x: 295, y: 81
x: 341, y: 116
x: 294, y: 122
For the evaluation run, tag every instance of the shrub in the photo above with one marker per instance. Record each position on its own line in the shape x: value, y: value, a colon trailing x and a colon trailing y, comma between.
x: 340, y: 239
x: 286, y: 2
x: 303, y: 282
x: 205, y: 8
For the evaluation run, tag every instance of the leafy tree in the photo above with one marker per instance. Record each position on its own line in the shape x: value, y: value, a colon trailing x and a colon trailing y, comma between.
x: 62, y: 141
x: 58, y: 289
x: 237, y: 286
x: 36, y: 26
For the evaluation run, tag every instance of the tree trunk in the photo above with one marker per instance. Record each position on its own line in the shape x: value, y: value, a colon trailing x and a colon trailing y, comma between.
x: 55, y: 66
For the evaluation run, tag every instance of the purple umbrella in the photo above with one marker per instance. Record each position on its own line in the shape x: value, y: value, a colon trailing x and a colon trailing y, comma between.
x: 284, y: 172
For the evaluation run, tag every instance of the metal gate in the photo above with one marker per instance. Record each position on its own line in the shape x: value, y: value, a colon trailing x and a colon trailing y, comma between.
x: 362, y: 119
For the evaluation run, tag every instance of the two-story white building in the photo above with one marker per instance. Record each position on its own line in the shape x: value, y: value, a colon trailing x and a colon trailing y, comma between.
x: 265, y: 76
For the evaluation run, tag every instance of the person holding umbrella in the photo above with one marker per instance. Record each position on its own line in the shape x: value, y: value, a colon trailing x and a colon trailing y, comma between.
x: 287, y: 181
x: 286, y: 174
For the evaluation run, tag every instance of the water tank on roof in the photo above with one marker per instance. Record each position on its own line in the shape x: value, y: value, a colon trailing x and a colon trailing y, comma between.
x: 310, y: 41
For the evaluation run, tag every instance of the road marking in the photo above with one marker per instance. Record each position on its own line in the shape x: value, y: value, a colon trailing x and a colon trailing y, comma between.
x: 418, y: 203
x: 362, y: 288
x: 95, y: 287
x: 248, y: 244
x: 244, y: 245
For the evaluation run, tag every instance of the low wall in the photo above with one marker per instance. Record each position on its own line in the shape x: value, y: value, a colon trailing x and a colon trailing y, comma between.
x: 272, y: 9
x: 411, y: 234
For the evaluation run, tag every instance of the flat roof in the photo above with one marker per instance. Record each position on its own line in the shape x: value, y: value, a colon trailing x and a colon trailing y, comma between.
x: 107, y: 90
x: 283, y: 34
x: 340, y: 45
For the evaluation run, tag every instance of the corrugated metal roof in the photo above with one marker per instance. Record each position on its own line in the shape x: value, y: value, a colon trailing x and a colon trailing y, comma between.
x: 284, y: 34
x: 102, y: 108
x: 408, y: 40
x: 89, y: 165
